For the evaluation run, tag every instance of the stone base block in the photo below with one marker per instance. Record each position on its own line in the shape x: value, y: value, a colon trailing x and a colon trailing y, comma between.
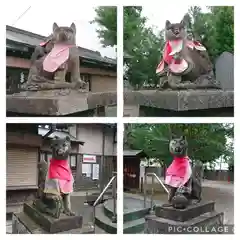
x: 23, y: 224
x: 58, y: 102
x: 177, y: 101
x: 207, y: 223
x: 46, y: 222
x: 131, y: 111
x: 183, y: 215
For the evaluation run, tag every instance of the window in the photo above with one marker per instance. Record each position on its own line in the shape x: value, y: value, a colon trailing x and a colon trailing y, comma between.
x: 87, y: 78
x: 49, y: 156
x: 42, y: 156
x: 15, y: 78
x: 73, y: 161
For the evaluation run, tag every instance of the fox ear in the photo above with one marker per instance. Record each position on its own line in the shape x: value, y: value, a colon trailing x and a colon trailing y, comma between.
x: 182, y: 22
x: 183, y: 137
x: 55, y: 26
x: 173, y: 135
x: 73, y: 27
x: 167, y: 24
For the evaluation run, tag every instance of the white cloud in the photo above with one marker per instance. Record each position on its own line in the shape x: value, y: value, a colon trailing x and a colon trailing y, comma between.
x: 39, y: 19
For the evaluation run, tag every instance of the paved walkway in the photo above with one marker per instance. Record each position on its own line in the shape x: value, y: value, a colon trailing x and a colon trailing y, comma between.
x: 223, y: 194
x: 220, y: 192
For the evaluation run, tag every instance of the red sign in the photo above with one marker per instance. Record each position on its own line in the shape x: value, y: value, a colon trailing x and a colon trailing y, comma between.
x: 89, y: 159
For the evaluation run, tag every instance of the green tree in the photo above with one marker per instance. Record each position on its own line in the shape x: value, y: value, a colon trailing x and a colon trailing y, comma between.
x: 106, y: 18
x: 215, y: 29
x: 142, y: 48
x: 141, y: 67
x: 133, y: 25
x: 207, y: 142
x: 224, y: 28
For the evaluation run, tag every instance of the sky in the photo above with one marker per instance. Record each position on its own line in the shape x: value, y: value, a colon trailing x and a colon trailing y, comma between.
x: 86, y: 32
x: 157, y: 17
x: 81, y: 16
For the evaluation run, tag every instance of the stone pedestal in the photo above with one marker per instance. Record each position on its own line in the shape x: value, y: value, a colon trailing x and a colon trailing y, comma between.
x: 31, y: 221
x: 196, y: 219
x: 131, y: 111
x: 60, y: 103
x: 167, y: 103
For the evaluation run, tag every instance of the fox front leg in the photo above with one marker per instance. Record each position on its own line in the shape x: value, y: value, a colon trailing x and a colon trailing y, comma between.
x: 75, y: 70
x: 38, y: 52
x: 67, y: 205
x: 171, y: 194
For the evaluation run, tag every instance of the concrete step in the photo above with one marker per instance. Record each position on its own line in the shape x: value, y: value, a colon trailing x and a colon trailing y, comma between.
x: 108, y: 208
x: 134, y: 227
x: 9, y: 226
x: 103, y: 221
x: 135, y: 214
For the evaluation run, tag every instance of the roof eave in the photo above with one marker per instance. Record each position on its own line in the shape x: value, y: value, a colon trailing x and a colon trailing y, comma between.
x: 82, y: 57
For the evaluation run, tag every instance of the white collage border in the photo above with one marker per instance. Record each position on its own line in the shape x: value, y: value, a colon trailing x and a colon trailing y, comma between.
x: 118, y: 119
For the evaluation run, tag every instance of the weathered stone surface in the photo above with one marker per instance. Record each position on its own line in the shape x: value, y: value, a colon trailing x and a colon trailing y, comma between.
x: 58, y: 102
x: 180, y: 100
x: 183, y: 215
x: 201, y: 224
x: 22, y: 224
x: 50, y: 224
x: 131, y: 111
x: 110, y: 111
x: 225, y: 70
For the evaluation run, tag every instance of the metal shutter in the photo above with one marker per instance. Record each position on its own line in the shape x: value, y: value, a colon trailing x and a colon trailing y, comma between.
x: 22, y: 167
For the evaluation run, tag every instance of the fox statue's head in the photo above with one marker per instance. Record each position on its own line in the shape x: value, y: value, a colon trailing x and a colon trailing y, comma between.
x: 178, y: 146
x: 61, y: 148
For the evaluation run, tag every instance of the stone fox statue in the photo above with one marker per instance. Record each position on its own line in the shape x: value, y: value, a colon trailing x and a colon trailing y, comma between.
x: 43, y: 49
x: 185, y: 62
x: 184, y: 182
x: 56, y: 181
x: 49, y: 71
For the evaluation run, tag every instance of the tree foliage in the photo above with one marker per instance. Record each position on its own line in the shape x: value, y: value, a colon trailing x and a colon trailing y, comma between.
x: 207, y: 142
x: 143, y: 46
x: 106, y: 18
x: 215, y: 29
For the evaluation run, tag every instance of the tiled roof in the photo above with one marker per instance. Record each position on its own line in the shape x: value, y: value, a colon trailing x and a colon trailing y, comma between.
x: 42, y: 132
x: 31, y: 39
x: 131, y: 152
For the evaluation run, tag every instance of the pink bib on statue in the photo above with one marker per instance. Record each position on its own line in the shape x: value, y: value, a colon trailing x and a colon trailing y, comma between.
x: 59, y: 169
x: 57, y: 57
x: 179, y: 172
x: 170, y: 56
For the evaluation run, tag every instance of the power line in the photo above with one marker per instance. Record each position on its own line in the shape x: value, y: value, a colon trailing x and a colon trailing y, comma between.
x: 14, y: 23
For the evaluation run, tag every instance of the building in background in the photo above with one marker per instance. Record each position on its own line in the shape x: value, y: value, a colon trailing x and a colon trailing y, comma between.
x: 92, y: 159
x: 99, y: 72
x: 131, y: 168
